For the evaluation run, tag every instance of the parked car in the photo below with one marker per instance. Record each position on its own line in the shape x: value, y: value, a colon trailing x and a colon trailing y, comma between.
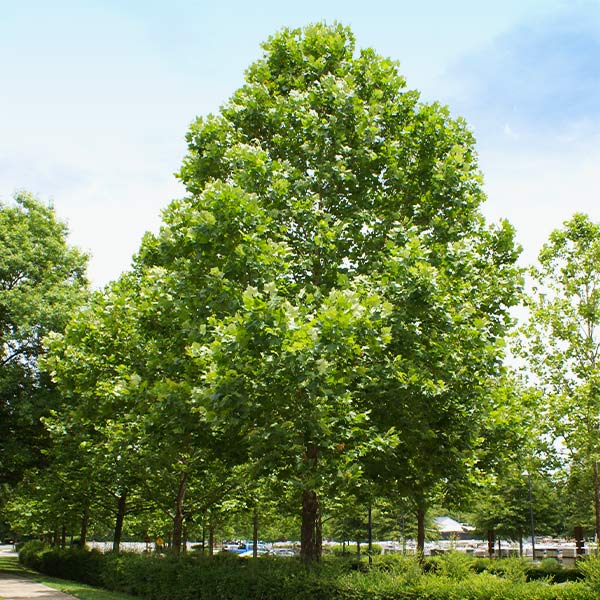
x: 246, y: 549
x: 283, y: 552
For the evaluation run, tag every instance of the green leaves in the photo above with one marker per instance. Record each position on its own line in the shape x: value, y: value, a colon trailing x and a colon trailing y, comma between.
x: 562, y: 337
x: 326, y: 301
x: 42, y: 282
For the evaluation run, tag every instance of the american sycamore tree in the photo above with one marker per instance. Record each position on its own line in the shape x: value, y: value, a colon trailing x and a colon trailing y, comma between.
x: 42, y: 281
x: 515, y: 452
x: 99, y: 365
x: 563, y: 336
x: 129, y: 424
x: 334, y: 293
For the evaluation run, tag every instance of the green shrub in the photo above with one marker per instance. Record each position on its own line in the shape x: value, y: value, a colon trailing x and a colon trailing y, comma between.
x: 589, y: 567
x: 396, y: 577
x: 515, y: 569
x: 400, y: 565
x: 30, y: 554
x: 454, y: 565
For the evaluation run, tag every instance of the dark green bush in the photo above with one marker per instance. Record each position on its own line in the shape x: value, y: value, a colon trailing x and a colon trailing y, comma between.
x: 73, y: 563
x: 31, y: 552
x: 270, y: 578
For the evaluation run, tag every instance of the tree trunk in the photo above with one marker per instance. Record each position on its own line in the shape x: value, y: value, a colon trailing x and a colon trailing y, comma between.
x: 85, y: 520
x: 185, y: 538
x: 308, y: 537
x: 491, y: 538
x: 319, y: 533
x: 597, y: 501
x: 309, y: 547
x: 255, y: 533
x: 403, y: 534
x: 521, y: 545
x: 370, y: 533
x: 63, y: 536
x: 121, y: 504
x: 420, y: 533
x: 211, y: 539
x: 179, y: 516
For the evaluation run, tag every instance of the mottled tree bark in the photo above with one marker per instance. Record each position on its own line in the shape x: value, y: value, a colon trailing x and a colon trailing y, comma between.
x: 308, y: 537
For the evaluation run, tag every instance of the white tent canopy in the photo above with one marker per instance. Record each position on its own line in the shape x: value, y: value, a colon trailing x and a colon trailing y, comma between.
x: 448, y: 525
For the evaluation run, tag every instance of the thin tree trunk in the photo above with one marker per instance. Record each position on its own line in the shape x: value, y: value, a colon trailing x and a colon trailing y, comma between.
x: 370, y: 533
x: 319, y: 533
x: 491, y: 538
x: 597, y: 501
x: 310, y: 515
x: 255, y: 533
x: 85, y: 520
x: 63, y: 536
x: 179, y: 516
x: 211, y: 539
x: 121, y: 504
x: 185, y: 538
x: 421, y: 533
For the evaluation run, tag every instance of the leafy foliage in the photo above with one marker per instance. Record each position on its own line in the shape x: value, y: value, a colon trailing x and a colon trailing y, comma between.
x: 563, y: 338
x: 155, y: 578
x: 42, y: 280
x: 323, y: 312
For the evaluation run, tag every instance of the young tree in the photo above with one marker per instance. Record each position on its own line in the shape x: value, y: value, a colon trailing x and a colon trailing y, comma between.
x: 137, y: 427
x: 331, y: 273
x: 515, y: 454
x: 99, y: 365
x: 564, y: 338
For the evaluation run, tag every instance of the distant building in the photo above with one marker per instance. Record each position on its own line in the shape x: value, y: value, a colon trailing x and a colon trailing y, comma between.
x: 451, y: 529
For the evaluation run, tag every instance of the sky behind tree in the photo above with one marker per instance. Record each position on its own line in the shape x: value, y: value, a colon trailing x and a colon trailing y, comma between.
x: 97, y: 96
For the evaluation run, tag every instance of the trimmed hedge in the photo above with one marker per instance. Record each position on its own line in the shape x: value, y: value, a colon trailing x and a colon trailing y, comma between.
x: 450, y: 577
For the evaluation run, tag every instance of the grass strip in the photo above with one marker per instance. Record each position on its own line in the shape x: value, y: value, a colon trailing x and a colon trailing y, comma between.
x: 10, y: 564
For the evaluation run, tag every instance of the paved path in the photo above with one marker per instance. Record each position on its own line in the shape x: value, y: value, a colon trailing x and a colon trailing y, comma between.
x: 21, y: 588
x: 16, y: 587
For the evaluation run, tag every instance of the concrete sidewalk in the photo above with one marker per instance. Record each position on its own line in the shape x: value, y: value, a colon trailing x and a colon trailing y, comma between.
x: 16, y: 587
x: 22, y: 588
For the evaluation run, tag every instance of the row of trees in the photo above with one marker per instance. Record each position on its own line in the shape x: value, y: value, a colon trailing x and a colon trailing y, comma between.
x: 319, y: 323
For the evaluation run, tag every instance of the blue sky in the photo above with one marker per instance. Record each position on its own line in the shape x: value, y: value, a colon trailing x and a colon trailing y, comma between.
x: 96, y: 97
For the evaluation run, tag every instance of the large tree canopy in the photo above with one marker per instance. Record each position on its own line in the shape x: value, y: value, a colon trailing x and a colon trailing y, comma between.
x: 42, y: 279
x: 324, y: 309
x: 331, y: 275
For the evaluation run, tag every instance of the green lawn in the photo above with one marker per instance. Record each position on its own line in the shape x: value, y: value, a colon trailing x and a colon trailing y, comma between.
x: 79, y: 590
